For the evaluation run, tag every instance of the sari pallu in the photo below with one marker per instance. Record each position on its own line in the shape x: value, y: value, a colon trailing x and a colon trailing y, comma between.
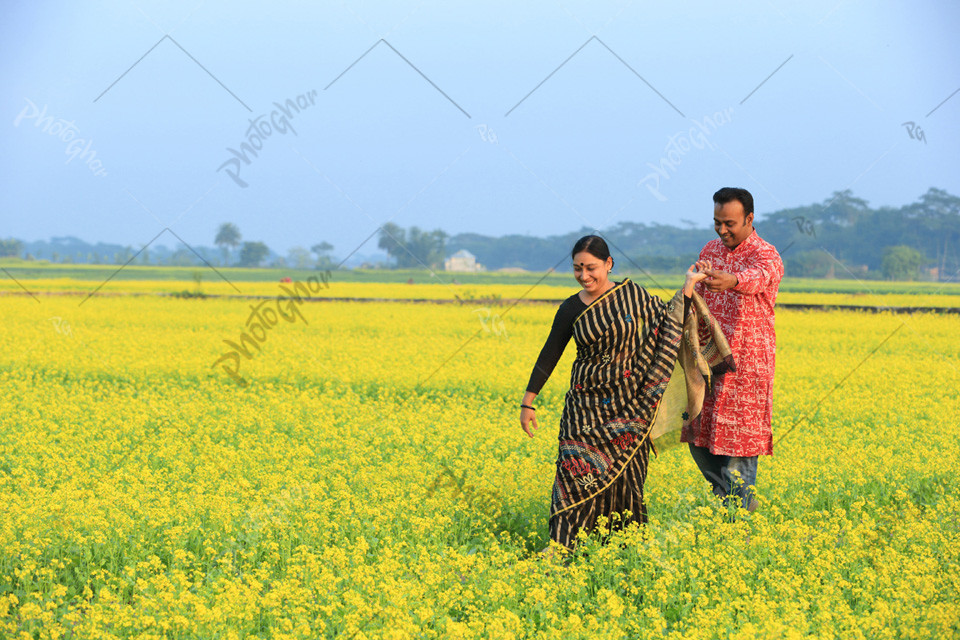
x: 628, y: 343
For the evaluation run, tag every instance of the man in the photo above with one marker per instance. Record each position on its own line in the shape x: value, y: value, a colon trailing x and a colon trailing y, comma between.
x: 740, y: 291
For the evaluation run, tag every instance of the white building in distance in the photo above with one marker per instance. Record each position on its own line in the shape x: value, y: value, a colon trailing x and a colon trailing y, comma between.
x: 463, y: 260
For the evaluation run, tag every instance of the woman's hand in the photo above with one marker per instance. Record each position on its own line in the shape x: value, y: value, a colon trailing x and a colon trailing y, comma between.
x: 528, y: 420
x: 528, y: 417
x: 695, y: 274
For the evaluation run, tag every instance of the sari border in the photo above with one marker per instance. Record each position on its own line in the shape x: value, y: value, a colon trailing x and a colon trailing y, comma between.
x: 620, y: 473
x: 605, y: 294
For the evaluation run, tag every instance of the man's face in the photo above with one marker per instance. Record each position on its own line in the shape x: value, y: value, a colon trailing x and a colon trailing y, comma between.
x: 730, y: 223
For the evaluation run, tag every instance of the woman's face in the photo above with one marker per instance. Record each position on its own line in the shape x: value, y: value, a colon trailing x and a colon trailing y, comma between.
x: 591, y: 272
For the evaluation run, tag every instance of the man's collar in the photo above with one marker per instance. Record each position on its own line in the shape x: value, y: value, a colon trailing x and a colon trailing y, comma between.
x: 748, y: 241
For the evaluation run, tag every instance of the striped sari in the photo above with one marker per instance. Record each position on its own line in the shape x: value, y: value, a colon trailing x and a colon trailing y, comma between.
x: 628, y: 343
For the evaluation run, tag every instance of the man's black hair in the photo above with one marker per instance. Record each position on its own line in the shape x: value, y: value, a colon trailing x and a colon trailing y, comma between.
x: 729, y: 194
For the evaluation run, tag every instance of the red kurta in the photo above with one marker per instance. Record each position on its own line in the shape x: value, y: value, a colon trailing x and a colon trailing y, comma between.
x: 736, y: 418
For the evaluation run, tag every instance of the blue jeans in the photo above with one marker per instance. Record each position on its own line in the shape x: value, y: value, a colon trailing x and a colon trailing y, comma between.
x: 721, y: 472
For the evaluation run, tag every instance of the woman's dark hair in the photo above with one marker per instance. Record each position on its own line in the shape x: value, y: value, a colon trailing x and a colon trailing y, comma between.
x: 594, y: 245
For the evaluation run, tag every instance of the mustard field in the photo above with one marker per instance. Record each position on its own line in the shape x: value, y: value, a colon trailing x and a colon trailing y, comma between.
x: 357, y: 470
x: 867, y: 293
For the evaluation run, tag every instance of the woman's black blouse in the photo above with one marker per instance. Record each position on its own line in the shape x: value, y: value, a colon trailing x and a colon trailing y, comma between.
x: 560, y: 334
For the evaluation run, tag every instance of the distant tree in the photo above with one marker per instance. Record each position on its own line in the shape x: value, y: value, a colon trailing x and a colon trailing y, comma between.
x: 253, y: 253
x: 902, y: 263
x: 322, y: 251
x: 843, y: 209
x: 392, y: 240
x: 122, y: 257
x: 413, y: 249
x: 10, y: 247
x: 938, y: 213
x: 661, y: 263
x: 429, y: 248
x: 228, y: 237
x: 182, y: 257
x: 810, y: 264
x: 299, y: 258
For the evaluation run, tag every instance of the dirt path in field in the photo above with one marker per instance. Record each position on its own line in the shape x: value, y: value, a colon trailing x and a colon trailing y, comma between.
x: 497, y: 302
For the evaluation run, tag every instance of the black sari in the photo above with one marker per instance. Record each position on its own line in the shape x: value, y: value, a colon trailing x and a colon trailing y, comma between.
x: 627, y: 346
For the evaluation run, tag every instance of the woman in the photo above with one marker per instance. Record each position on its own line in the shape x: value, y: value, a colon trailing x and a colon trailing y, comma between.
x: 627, y: 344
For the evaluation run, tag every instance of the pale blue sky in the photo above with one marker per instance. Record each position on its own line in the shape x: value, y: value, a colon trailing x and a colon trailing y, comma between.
x: 478, y: 151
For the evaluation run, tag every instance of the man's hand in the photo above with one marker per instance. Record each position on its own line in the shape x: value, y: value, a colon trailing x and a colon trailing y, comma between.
x: 719, y: 280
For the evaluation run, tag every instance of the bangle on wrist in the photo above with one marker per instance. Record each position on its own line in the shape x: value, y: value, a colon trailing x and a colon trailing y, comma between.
x: 526, y: 406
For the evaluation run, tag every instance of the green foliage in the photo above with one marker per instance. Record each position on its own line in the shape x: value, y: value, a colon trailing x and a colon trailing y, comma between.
x: 322, y: 251
x: 414, y: 248
x: 842, y: 236
x: 902, y: 263
x: 182, y: 257
x: 299, y: 258
x: 253, y: 253
x: 10, y: 247
x: 810, y: 264
x: 228, y: 235
x: 855, y: 236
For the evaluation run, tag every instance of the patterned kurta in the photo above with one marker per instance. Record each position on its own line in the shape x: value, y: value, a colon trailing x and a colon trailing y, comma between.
x: 736, y: 418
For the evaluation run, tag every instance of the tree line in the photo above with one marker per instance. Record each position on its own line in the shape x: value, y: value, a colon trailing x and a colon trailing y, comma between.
x: 231, y: 251
x: 839, y: 237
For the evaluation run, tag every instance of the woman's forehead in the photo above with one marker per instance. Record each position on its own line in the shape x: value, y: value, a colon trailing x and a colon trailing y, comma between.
x: 584, y: 258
